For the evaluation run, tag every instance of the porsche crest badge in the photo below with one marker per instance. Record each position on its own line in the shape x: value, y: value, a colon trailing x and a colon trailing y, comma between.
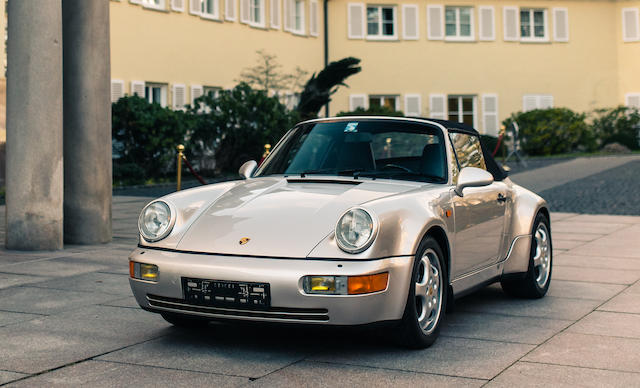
x: 244, y: 240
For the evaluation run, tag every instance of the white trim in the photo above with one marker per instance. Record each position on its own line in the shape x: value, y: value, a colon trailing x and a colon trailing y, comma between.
x: 434, y: 114
x: 353, y: 9
x: 558, y: 13
x: 430, y: 34
x: 628, y: 97
x: 406, y: 104
x: 365, y: 100
x: 516, y: 23
x: 251, y: 21
x: 380, y: 35
x: 150, y: 4
x: 487, y: 113
x: 313, y: 18
x: 416, y: 18
x: 195, y: 6
x: 210, y: 15
x: 481, y: 23
x: 458, y: 37
x: 294, y: 10
x: 177, y: 5
x: 137, y: 85
x: 275, y: 15
x: 234, y: 5
x: 533, y: 38
x: 626, y: 38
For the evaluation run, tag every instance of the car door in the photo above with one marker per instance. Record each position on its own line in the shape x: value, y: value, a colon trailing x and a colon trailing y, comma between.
x: 479, y: 214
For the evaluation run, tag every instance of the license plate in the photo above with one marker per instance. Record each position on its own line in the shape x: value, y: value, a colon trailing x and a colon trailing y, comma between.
x: 229, y: 294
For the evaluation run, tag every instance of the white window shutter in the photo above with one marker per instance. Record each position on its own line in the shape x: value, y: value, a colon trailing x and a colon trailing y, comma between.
x: 313, y: 18
x: 244, y: 11
x: 412, y: 104
x: 196, y: 92
x: 529, y: 102
x: 117, y: 90
x: 410, y: 22
x: 438, y: 106
x: 546, y: 102
x: 137, y: 87
x: 230, y: 10
x: 630, y: 25
x: 356, y: 19
x: 435, y: 22
x: 179, y: 96
x: 195, y: 7
x: 177, y: 5
x: 511, y: 23
x: 263, y: 13
x: 632, y: 100
x: 561, y: 24
x: 357, y: 101
x: 490, y: 114
x: 275, y: 14
x: 487, y: 23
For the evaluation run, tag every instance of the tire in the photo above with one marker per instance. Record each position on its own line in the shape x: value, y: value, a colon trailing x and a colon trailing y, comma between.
x: 420, y: 325
x: 536, y: 281
x: 184, y: 321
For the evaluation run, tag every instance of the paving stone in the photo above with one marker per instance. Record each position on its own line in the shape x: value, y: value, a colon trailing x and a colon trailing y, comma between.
x: 10, y: 317
x: 449, y: 356
x: 557, y: 216
x: 129, y: 302
x: 611, y: 249
x: 569, y: 226
x: 582, y: 290
x: 607, y: 323
x: 225, y: 349
x: 590, y: 351
x: 57, y: 267
x: 316, y: 374
x: 574, y: 237
x: 55, y: 341
x: 627, y: 302
x: 47, y: 301
x: 582, y: 261
x: 595, y: 275
x: 107, y: 374
x: 527, y: 374
x: 604, y: 218
x: 565, y: 244
x: 6, y: 376
x: 501, y: 327
x: 493, y: 300
x: 10, y: 280
x: 99, y: 282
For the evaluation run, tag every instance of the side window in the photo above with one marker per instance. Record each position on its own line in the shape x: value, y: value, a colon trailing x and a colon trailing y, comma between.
x: 468, y: 150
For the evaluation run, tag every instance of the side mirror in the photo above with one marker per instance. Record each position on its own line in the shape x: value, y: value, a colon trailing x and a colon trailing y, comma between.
x: 472, y: 177
x: 247, y: 169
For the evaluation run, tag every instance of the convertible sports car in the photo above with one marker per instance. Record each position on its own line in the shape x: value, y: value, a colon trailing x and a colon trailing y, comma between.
x: 348, y: 221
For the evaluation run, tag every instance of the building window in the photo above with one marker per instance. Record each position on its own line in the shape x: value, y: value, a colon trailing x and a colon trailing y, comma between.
x: 533, y: 24
x: 390, y: 102
x: 298, y: 17
x: 155, y: 4
x: 459, y: 23
x: 381, y: 22
x: 155, y: 93
x: 256, y: 12
x: 536, y: 101
x: 462, y: 109
x: 211, y: 91
x: 209, y: 9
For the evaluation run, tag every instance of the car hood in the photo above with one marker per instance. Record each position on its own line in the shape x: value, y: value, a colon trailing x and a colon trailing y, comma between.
x: 280, y: 217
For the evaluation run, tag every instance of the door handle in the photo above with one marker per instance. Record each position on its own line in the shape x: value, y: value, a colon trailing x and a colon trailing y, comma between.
x: 501, y: 198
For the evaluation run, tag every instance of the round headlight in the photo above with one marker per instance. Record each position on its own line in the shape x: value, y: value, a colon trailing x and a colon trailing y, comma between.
x: 355, y: 230
x: 155, y: 221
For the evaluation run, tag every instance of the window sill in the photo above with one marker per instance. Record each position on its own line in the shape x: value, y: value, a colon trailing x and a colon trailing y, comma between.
x: 459, y: 39
x: 258, y: 26
x: 297, y: 33
x: 155, y: 8
x: 381, y: 38
x: 535, y: 40
x: 211, y: 17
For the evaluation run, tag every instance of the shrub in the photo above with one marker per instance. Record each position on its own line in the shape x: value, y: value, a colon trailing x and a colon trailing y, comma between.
x: 146, y: 135
x: 236, y: 124
x: 553, y: 131
x: 373, y: 111
x: 617, y: 125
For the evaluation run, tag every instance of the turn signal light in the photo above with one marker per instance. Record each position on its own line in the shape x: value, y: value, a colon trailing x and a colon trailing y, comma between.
x: 368, y: 283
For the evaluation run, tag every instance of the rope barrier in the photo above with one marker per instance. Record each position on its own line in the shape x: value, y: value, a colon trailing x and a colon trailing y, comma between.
x: 193, y: 172
x: 498, y: 144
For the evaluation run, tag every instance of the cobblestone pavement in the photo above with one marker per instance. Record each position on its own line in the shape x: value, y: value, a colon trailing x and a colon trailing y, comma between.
x: 67, y: 318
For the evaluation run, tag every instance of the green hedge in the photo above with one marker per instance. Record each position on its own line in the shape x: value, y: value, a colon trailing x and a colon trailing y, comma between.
x: 617, y: 125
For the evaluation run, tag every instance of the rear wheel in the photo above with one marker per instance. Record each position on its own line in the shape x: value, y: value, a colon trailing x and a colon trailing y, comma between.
x: 538, y: 277
x: 184, y: 321
x: 427, y: 297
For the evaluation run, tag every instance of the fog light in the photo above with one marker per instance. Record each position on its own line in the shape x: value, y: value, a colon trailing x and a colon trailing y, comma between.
x: 345, y: 285
x: 143, y: 271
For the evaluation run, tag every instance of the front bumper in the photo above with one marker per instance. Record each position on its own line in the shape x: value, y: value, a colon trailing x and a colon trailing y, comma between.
x: 289, y: 303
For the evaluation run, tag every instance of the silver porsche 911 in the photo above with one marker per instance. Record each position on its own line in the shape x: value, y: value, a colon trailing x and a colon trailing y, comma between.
x: 348, y: 221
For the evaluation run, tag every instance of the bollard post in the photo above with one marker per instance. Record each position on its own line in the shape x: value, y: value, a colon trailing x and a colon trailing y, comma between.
x: 180, y: 155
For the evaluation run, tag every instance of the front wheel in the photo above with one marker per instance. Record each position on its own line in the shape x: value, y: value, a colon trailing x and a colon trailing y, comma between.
x: 427, y: 297
x: 538, y: 277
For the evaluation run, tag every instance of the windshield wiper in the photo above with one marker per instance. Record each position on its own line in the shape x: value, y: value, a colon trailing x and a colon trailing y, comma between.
x: 379, y: 174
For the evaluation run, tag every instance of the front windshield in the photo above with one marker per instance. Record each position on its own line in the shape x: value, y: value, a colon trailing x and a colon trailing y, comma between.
x: 368, y: 148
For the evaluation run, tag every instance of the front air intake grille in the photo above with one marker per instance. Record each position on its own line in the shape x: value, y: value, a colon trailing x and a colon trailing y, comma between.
x: 272, y: 313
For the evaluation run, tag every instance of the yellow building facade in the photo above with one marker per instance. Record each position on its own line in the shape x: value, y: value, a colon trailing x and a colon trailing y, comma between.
x: 463, y: 60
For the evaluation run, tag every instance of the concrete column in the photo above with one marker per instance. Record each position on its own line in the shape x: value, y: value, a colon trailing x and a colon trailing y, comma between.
x: 34, y: 125
x: 87, y: 122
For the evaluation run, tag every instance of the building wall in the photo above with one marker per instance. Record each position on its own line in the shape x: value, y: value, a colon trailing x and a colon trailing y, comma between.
x: 165, y: 46
x: 628, y: 55
x: 593, y: 69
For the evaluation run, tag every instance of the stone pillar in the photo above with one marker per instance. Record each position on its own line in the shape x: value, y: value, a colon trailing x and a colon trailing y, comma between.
x: 34, y: 171
x: 87, y: 122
